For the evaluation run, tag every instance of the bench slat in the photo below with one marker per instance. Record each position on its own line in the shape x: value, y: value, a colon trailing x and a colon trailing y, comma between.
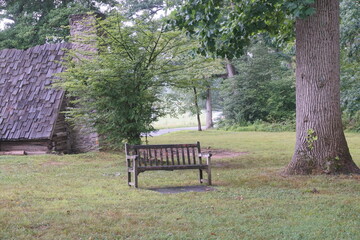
x: 183, y: 156
x: 172, y: 156
x: 194, y: 157
x: 161, y: 157
x: 155, y: 156
x: 167, y: 156
x: 177, y: 156
x: 188, y: 155
x: 149, y: 156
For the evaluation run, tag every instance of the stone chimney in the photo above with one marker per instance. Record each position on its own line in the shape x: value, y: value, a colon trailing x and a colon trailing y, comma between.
x: 83, y: 37
x: 83, y: 30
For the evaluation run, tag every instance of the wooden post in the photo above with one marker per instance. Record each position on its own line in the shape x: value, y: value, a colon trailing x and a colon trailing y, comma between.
x: 128, y: 164
x: 199, y: 151
x: 208, y: 161
x: 128, y: 171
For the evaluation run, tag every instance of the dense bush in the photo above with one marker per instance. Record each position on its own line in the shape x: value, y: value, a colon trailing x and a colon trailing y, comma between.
x: 262, y: 90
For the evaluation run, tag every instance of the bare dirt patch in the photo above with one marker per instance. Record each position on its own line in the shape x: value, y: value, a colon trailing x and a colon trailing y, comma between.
x: 221, y: 153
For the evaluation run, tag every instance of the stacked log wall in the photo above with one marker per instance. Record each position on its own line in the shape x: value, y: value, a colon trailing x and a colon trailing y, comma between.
x: 60, y: 140
x: 29, y: 147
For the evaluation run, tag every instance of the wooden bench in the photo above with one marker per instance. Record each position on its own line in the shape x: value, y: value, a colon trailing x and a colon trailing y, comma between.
x: 141, y: 158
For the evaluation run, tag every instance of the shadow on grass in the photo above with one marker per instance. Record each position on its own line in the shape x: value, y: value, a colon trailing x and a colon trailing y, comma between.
x: 182, y: 189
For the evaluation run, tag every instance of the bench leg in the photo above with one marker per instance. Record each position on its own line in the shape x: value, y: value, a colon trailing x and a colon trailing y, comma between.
x: 129, y: 178
x: 208, y: 170
x: 201, y: 175
x: 128, y: 171
x: 132, y: 167
x: 209, y: 175
x: 136, y: 178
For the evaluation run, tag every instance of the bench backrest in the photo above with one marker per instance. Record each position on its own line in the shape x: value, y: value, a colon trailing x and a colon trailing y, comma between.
x: 166, y: 155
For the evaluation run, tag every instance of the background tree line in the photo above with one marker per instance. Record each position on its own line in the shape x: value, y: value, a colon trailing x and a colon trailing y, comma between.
x: 263, y: 89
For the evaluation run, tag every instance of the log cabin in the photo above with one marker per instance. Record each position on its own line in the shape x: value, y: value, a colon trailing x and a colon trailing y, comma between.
x: 32, y: 120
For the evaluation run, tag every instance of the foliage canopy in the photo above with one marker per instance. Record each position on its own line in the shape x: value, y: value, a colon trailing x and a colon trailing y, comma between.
x: 226, y: 27
x: 36, y: 22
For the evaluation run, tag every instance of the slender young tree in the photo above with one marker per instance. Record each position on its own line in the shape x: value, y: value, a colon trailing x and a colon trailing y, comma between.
x: 208, y: 105
x: 116, y: 90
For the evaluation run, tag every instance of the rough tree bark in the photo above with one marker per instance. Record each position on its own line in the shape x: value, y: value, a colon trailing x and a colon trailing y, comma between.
x: 209, y: 121
x: 321, y: 146
x: 230, y: 69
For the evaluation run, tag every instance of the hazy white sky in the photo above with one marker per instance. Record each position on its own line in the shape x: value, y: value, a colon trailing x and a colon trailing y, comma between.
x: 2, y: 23
x: 102, y: 8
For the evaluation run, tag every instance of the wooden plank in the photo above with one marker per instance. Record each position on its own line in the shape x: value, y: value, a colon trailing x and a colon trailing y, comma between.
x: 161, y: 146
x: 139, y: 159
x: 35, y: 152
x: 193, y: 153
x: 172, y: 156
x: 127, y: 149
x: 156, y: 159
x: 183, y: 156
x: 24, y: 146
x: 199, y: 152
x: 150, y: 157
x: 146, y: 158
x: 188, y: 155
x: 161, y: 156
x: 177, y: 156
x: 12, y: 153
x: 167, y: 156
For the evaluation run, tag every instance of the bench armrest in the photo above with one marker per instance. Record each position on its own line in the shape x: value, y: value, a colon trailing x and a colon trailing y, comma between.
x: 205, y: 155
x: 131, y: 157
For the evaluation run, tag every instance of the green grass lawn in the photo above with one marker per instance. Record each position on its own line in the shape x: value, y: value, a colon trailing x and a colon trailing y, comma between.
x: 85, y: 196
x: 184, y: 120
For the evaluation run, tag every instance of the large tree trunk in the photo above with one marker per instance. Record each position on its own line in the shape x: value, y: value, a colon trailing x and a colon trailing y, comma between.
x: 321, y: 146
x: 209, y: 121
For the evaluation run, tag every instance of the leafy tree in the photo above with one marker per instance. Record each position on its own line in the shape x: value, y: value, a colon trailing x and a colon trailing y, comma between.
x: 350, y: 88
x: 350, y: 28
x: 350, y: 60
x: 39, y: 21
x: 117, y: 90
x: 226, y: 27
x: 263, y: 91
x: 193, y: 78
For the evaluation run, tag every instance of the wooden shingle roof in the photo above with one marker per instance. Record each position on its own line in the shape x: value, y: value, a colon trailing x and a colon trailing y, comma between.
x: 28, y: 106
